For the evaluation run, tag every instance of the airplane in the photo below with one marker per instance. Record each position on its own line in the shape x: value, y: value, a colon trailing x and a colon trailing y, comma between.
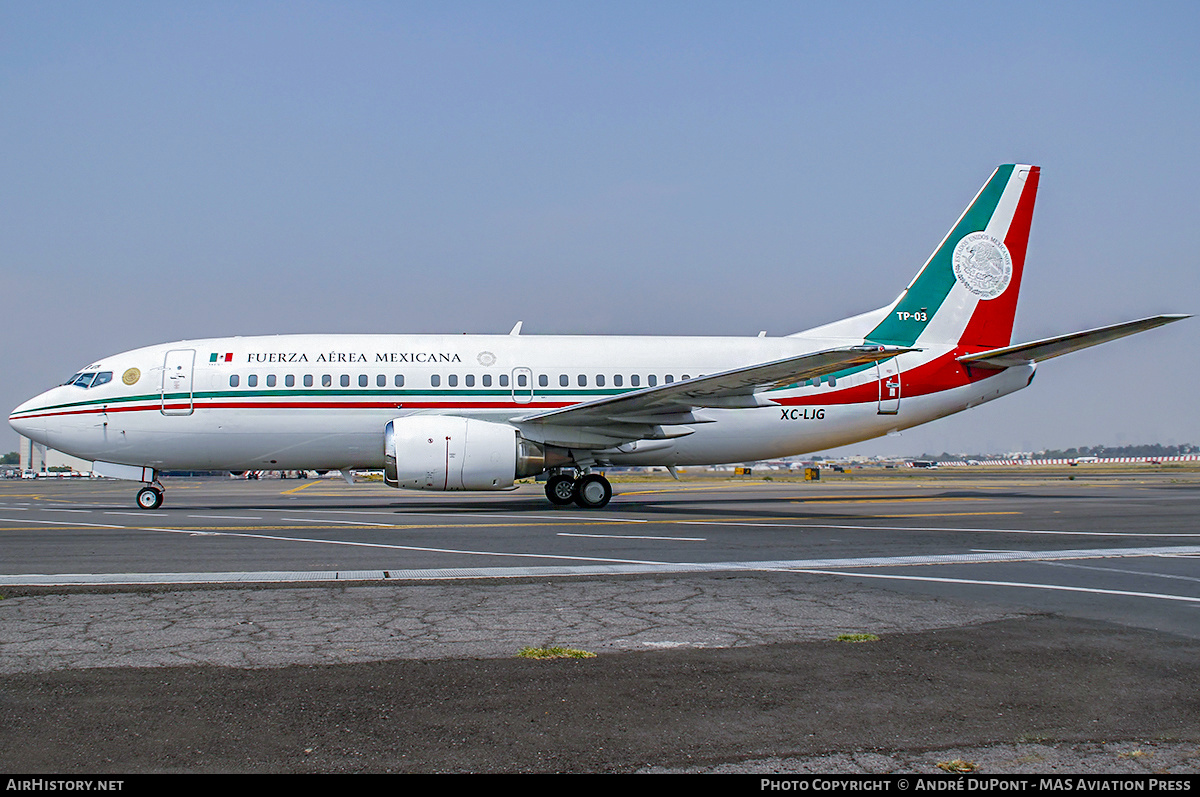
x: 479, y: 412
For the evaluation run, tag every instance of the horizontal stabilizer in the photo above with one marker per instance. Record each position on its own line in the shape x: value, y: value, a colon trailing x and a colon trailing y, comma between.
x: 1064, y: 344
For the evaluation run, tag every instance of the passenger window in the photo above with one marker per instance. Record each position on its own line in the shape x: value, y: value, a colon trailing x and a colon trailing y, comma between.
x: 380, y: 381
x: 289, y: 381
x: 345, y: 380
x: 833, y: 381
x: 362, y: 380
x: 469, y: 380
x: 399, y: 380
x: 599, y: 380
x: 543, y: 380
x: 618, y: 380
x: 652, y: 380
x: 452, y: 380
x: 634, y: 380
x: 233, y: 380
x: 252, y: 380
x: 435, y: 381
x: 504, y: 380
x: 668, y: 379
x: 270, y: 380
x: 487, y: 380
x: 563, y: 381
x: 582, y: 380
x: 326, y: 380
x: 308, y: 380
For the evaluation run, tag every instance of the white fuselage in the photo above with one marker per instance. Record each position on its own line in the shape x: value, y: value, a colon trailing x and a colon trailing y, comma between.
x: 322, y: 402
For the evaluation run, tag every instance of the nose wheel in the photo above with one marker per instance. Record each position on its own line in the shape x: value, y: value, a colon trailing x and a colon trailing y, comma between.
x: 150, y: 497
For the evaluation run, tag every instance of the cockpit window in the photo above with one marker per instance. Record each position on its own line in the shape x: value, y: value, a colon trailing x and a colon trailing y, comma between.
x: 87, y: 379
x: 74, y: 376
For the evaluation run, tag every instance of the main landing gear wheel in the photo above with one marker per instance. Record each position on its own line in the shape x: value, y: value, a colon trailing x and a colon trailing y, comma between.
x: 560, y: 490
x: 592, y: 491
x: 150, y: 497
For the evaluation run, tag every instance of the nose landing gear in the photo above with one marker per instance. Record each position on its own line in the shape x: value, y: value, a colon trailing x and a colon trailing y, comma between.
x: 150, y: 496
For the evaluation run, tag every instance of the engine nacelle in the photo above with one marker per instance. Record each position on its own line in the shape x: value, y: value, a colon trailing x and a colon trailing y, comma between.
x: 445, y: 452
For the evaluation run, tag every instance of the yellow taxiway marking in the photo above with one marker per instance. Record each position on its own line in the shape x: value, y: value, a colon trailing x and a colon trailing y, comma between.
x: 298, y: 489
x: 936, y: 514
x: 814, y: 499
x: 900, y: 499
x: 798, y: 523
x: 691, y: 489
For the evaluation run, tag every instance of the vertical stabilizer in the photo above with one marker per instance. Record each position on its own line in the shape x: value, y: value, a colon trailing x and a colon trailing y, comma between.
x: 967, y: 290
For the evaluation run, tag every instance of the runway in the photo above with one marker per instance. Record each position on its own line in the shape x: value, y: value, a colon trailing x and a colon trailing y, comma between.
x: 1122, y: 546
x: 1054, y: 576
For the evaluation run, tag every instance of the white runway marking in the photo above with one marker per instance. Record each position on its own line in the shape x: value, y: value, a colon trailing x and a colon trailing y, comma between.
x: 861, y: 527
x: 605, y: 566
x: 1123, y: 572
x: 394, y: 547
x: 65, y: 523
x: 631, y: 537
x: 1021, y: 584
x: 224, y: 517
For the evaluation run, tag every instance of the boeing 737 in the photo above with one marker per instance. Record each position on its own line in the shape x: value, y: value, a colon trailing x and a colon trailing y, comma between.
x: 478, y: 412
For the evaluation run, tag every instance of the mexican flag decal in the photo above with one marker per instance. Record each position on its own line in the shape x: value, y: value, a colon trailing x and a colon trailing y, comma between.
x: 221, y: 358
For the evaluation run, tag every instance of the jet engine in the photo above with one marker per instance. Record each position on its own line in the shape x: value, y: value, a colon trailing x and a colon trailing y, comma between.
x: 445, y: 452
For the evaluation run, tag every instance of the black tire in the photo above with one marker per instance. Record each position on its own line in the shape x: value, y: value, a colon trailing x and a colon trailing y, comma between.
x: 149, y: 498
x: 592, y: 491
x: 560, y: 490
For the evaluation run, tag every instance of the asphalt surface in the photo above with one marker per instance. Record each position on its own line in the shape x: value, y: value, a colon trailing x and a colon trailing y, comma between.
x: 732, y: 669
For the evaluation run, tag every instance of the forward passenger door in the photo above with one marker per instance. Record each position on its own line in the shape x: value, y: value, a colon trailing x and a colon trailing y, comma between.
x: 178, y: 367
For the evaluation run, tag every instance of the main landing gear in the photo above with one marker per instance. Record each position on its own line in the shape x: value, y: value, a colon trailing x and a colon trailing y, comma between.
x: 150, y: 496
x: 590, y: 491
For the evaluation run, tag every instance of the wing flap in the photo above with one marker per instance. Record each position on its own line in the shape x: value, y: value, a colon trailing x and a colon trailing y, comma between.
x: 1046, y: 348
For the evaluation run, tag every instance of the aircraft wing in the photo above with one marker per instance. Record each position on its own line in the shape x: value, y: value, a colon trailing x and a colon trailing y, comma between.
x: 1063, y: 344
x: 641, y: 414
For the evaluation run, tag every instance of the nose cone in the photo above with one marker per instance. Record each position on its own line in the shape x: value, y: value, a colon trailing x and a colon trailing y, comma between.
x: 28, y: 422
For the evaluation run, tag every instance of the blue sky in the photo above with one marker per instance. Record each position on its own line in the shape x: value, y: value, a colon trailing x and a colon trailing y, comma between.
x: 178, y: 170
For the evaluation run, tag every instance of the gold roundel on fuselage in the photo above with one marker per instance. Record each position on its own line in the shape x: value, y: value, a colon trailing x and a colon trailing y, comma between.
x: 131, y: 376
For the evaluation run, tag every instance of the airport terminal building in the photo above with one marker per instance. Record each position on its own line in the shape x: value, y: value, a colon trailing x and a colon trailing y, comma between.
x: 38, y: 458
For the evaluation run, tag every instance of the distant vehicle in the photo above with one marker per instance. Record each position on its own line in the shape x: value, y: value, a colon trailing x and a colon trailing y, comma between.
x: 923, y: 463
x: 478, y: 412
x: 1084, y: 460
